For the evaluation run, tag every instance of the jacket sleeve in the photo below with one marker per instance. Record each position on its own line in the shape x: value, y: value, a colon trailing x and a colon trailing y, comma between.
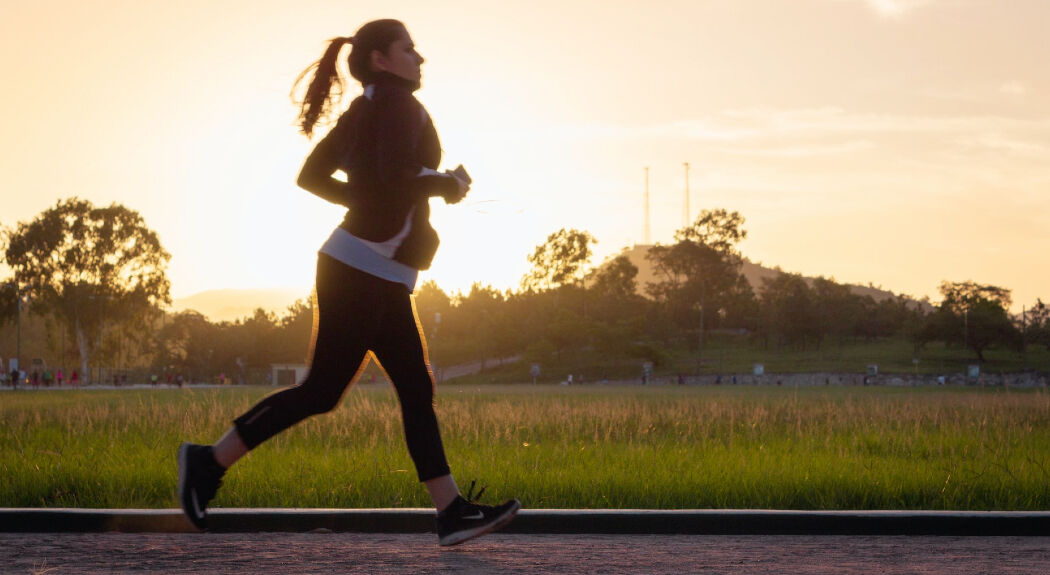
x: 316, y: 175
x: 399, y: 123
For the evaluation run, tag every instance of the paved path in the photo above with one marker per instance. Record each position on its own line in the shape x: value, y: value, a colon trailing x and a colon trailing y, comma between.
x: 331, y: 553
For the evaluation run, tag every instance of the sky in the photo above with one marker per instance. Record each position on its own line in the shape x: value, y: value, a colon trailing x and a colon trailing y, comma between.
x: 894, y: 142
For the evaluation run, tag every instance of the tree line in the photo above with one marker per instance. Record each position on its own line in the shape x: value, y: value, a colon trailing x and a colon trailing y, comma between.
x: 95, y: 279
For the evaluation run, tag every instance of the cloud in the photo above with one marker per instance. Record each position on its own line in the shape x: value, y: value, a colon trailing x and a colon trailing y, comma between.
x: 704, y: 130
x: 894, y: 8
x: 1016, y: 89
x: 804, y: 151
x: 833, y: 120
x: 827, y: 129
x: 1016, y: 146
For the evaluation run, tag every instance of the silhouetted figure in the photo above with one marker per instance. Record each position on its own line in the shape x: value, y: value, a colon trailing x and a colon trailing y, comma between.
x: 387, y: 146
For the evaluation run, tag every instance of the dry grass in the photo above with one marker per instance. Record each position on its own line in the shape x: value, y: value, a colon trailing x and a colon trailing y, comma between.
x: 580, y: 447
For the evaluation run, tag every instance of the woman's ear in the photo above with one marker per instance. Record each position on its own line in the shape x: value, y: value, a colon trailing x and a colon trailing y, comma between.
x: 378, y: 61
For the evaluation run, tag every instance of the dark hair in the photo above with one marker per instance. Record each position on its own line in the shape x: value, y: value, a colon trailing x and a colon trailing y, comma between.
x: 326, y: 84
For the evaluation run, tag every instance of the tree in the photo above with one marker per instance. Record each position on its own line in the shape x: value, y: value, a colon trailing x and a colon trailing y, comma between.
x: 701, y: 270
x: 615, y: 279
x: 836, y: 309
x: 431, y: 303
x: 787, y: 309
x: 974, y: 314
x: 296, y: 331
x: 1037, y: 324
x: 559, y: 261
x: 613, y: 293
x: 718, y: 229
x: 482, y: 315
x: 89, y: 266
x: 186, y: 342
x: 959, y: 296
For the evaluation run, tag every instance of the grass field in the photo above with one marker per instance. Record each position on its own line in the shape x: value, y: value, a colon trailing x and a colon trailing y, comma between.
x: 554, y: 447
x: 726, y: 354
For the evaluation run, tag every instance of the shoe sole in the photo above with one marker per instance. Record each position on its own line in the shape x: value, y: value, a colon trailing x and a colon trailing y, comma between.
x: 464, y: 536
x: 183, y: 462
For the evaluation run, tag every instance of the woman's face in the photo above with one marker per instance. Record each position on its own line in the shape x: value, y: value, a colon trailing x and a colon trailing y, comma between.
x: 400, y: 59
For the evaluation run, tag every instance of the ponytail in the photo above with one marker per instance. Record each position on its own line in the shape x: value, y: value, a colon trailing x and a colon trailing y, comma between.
x: 325, y: 89
x: 326, y: 84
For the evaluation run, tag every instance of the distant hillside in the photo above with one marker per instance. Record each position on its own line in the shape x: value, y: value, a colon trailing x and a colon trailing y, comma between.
x: 752, y: 271
x: 234, y: 304
x: 231, y: 304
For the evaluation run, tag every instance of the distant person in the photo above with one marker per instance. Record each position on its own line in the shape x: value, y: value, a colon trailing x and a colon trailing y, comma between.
x: 14, y: 378
x: 387, y: 146
x: 58, y: 377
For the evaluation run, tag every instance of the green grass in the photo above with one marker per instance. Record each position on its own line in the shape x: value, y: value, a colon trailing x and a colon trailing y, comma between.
x: 727, y: 354
x: 731, y: 354
x: 554, y: 447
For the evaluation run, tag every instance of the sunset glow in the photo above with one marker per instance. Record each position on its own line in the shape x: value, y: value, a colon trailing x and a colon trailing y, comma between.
x: 899, y: 142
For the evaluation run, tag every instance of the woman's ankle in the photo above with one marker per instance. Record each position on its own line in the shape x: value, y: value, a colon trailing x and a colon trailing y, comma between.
x: 228, y: 449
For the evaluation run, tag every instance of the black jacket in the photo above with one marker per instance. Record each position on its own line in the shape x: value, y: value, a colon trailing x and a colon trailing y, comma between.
x: 383, y: 142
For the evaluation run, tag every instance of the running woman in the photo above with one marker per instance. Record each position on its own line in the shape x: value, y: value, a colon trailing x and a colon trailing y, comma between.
x: 388, y: 148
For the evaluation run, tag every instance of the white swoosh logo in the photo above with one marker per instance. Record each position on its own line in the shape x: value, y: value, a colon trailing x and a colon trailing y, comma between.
x: 478, y: 515
x: 196, y: 506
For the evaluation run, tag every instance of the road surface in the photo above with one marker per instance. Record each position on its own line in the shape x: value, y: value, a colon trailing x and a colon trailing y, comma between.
x: 331, y: 553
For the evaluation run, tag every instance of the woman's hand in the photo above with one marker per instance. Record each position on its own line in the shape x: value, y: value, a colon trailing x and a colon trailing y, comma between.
x: 461, y: 192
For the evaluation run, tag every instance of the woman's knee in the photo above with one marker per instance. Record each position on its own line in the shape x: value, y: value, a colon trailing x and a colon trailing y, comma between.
x: 416, y: 398
x: 315, y: 399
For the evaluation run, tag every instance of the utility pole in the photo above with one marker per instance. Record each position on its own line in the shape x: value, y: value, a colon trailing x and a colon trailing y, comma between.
x: 18, y: 296
x: 1024, y: 343
x: 13, y: 286
x: 685, y: 214
x: 647, y: 205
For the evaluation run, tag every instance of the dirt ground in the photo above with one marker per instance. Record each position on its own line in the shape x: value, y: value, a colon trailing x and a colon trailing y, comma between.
x: 332, y: 553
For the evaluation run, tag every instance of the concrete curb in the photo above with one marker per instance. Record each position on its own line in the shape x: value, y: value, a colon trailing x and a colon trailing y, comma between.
x: 541, y: 521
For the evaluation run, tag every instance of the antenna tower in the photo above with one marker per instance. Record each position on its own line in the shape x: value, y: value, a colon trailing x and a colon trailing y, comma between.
x: 685, y: 214
x: 647, y: 205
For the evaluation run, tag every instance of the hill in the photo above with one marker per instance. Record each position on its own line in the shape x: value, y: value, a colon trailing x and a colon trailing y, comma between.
x: 754, y: 273
x: 233, y: 304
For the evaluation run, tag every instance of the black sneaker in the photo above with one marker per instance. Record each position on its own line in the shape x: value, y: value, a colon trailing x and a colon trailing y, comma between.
x: 464, y: 520
x: 199, y: 478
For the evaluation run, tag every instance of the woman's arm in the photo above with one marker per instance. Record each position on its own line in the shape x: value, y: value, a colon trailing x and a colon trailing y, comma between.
x: 400, y: 123
x: 316, y: 175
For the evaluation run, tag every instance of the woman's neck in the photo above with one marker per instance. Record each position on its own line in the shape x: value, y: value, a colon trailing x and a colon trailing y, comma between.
x: 389, y: 79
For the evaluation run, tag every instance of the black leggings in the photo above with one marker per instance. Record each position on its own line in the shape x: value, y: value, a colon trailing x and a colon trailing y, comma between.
x: 358, y: 312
